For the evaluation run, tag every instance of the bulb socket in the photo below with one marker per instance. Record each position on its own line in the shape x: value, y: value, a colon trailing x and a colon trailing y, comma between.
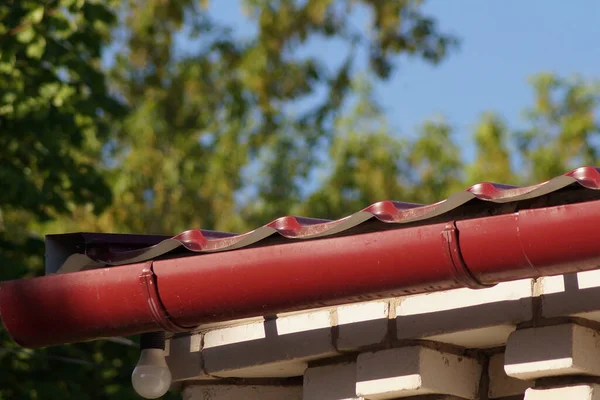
x: 152, y: 340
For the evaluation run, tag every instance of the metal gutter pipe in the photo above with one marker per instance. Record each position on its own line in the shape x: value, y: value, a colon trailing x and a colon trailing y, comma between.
x: 178, y: 294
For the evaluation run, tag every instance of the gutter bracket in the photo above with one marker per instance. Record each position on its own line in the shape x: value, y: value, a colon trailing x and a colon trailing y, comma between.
x: 451, y: 247
x: 157, y: 308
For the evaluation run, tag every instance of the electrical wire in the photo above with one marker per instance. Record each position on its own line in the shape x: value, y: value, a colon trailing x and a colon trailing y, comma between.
x: 71, y: 360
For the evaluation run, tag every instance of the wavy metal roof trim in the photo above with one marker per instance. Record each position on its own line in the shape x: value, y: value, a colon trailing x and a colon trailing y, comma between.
x: 390, y: 213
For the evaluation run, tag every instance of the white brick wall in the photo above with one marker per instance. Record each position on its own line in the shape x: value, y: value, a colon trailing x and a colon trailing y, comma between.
x: 242, y: 392
x: 557, y: 350
x: 331, y: 382
x: 362, y: 324
x: 429, y: 344
x: 465, y: 317
x: 266, y: 349
x: 501, y: 385
x: 574, y: 392
x: 416, y: 370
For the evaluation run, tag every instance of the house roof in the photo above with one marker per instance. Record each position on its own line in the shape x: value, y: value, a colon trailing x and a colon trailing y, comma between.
x: 477, y: 238
x: 77, y: 251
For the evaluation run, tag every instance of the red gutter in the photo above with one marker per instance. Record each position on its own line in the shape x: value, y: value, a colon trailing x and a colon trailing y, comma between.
x: 178, y: 294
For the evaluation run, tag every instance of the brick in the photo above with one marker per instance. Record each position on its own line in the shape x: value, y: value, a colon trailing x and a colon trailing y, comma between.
x: 575, y: 392
x: 416, y: 370
x: 246, y: 392
x: 466, y: 317
x: 362, y: 324
x: 567, y: 349
x: 576, y: 295
x: 500, y: 384
x: 184, y: 358
x: 479, y: 338
x: 331, y: 382
x: 274, y: 348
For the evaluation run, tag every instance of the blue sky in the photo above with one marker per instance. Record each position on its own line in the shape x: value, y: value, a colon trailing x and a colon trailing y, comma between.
x: 502, y: 43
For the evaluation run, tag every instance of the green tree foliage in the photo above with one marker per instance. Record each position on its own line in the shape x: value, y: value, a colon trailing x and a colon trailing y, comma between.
x: 435, y: 161
x: 563, y: 127
x: 54, y: 107
x: 54, y: 102
x: 216, y: 129
x: 207, y: 117
x: 559, y: 132
x: 53, y: 110
x: 492, y: 161
x: 365, y: 163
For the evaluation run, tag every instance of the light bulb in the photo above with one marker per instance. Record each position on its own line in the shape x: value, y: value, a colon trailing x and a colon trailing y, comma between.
x: 151, y: 377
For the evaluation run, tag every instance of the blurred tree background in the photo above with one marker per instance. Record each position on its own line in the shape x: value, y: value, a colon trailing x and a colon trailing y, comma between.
x: 227, y: 133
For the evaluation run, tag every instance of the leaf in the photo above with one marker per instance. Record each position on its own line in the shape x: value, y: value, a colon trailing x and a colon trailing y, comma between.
x: 36, y: 15
x: 36, y: 49
x: 26, y: 35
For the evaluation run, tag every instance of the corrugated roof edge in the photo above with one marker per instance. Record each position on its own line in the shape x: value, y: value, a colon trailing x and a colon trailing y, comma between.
x: 73, y: 252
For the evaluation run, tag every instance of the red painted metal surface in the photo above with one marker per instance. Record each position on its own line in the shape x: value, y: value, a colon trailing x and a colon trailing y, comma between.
x: 266, y: 280
x: 479, y: 200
